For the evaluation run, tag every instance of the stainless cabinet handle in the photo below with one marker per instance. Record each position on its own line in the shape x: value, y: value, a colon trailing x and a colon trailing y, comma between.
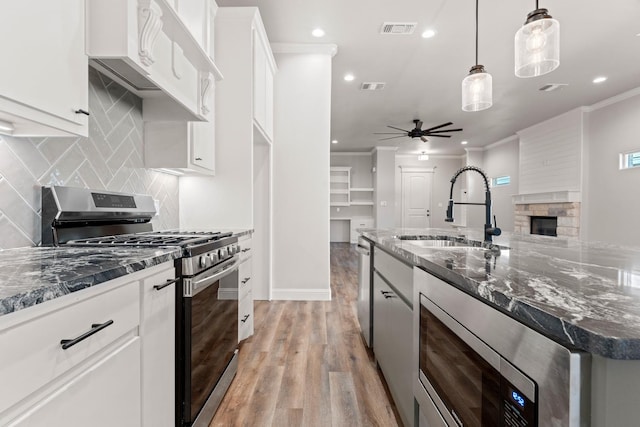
x: 198, y: 158
x: 95, y: 328
x: 246, y: 316
x: 246, y: 250
x: 165, y: 284
x: 246, y: 279
x: 81, y: 111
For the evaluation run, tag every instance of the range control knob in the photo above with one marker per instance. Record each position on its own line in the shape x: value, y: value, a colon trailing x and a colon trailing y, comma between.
x: 203, y: 261
x: 213, y: 256
x: 222, y: 253
x: 233, y: 249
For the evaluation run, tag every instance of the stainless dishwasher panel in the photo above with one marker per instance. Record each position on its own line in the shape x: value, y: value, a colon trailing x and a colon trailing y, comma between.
x: 365, y: 314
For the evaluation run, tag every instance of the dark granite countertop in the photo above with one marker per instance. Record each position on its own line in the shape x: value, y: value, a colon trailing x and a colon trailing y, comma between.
x: 33, y: 275
x: 582, y: 294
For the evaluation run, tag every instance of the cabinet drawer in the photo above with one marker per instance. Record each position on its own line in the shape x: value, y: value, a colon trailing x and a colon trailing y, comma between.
x: 245, y: 317
x: 399, y: 274
x: 246, y: 249
x: 245, y: 279
x: 32, y: 354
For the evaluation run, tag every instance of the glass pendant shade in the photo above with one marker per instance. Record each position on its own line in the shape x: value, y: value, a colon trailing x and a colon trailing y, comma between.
x: 477, y: 90
x: 537, y: 45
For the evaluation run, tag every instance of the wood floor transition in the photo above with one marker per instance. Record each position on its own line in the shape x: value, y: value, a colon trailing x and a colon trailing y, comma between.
x: 307, y: 365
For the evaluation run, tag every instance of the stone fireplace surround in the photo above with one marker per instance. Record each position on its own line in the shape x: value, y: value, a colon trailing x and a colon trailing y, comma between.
x: 565, y: 205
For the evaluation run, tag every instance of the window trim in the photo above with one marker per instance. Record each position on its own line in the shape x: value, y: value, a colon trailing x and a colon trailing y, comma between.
x: 630, y: 160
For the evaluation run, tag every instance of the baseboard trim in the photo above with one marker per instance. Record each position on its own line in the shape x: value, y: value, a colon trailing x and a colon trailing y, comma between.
x: 301, y: 294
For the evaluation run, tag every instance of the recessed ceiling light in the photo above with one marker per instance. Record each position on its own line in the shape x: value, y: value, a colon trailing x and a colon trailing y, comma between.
x: 349, y: 77
x: 464, y: 142
x: 318, y: 32
x: 428, y: 34
x: 335, y: 141
x: 599, y: 79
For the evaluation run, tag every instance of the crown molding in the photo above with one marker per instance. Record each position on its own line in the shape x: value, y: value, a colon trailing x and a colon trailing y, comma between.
x: 317, y: 48
x: 351, y: 153
x: 384, y: 149
x: 512, y: 138
x: 613, y: 100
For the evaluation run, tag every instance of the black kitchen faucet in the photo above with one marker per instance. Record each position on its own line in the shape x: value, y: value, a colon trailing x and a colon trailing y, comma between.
x: 489, y: 230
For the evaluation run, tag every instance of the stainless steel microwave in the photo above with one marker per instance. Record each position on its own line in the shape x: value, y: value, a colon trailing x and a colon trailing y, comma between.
x: 478, y: 367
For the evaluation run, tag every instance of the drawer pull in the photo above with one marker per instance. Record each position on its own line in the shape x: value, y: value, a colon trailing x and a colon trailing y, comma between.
x: 244, y: 319
x: 198, y: 158
x: 246, y: 279
x: 81, y: 111
x: 246, y: 250
x: 95, y: 328
x: 165, y: 284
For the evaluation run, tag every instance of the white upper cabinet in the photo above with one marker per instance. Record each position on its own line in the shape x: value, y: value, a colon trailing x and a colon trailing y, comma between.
x: 155, y: 48
x: 263, y: 72
x: 44, y: 77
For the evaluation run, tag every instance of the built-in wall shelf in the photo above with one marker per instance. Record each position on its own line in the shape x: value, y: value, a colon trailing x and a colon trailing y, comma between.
x: 339, y: 185
x: 362, y: 203
x: 339, y: 191
x: 353, y: 189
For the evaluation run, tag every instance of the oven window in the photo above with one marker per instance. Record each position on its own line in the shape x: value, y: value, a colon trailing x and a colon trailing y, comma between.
x: 464, y: 381
x: 214, y: 338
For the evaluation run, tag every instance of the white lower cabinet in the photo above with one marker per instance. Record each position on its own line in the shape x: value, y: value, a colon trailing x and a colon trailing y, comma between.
x: 157, y: 332
x: 106, y: 394
x: 100, y: 357
x: 245, y: 292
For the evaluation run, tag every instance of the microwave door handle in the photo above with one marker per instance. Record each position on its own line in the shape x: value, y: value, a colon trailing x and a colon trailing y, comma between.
x: 204, y: 283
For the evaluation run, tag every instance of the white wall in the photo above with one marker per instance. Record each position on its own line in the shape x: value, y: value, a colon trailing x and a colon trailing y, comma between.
x: 444, y: 168
x: 302, y: 99
x: 551, y: 157
x: 613, y: 205
x: 501, y: 159
x: 384, y: 186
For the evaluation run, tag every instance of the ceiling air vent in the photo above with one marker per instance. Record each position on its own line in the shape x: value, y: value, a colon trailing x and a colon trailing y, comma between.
x: 398, y: 27
x: 552, y: 86
x: 372, y: 86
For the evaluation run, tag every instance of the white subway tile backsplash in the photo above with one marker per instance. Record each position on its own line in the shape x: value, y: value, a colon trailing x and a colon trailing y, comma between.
x: 111, y: 159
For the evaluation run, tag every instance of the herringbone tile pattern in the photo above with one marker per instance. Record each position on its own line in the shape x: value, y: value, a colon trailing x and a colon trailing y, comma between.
x: 110, y: 159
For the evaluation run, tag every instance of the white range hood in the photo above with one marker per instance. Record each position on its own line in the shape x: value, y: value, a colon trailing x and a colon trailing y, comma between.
x: 146, y: 46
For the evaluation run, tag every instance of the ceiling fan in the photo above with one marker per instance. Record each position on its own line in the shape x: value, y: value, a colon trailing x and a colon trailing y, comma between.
x: 418, y: 132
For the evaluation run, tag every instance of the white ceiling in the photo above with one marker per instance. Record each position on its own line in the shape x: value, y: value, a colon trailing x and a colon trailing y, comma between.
x: 423, y: 76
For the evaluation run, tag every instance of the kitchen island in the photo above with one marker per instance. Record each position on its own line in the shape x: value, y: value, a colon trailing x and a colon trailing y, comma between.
x: 584, y: 296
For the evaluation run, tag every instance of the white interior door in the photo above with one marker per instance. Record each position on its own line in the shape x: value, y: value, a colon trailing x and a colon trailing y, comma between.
x: 416, y: 198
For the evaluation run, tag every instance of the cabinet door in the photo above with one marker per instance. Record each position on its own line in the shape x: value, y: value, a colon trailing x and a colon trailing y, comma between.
x: 259, y: 87
x: 45, y: 66
x: 203, y: 144
x: 157, y: 331
x: 268, y: 84
x: 105, y: 395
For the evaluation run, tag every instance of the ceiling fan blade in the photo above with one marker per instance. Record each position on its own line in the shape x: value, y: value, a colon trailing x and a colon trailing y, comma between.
x: 393, y: 137
x: 440, y: 136
x: 419, y: 124
x: 393, y: 127
x: 445, y: 130
x: 389, y: 133
x: 438, y: 127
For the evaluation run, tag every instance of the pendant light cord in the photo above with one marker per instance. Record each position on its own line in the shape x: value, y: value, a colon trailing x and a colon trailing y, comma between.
x: 477, y: 31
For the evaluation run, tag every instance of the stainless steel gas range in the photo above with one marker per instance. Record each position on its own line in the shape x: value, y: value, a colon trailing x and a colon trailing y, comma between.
x: 206, y: 279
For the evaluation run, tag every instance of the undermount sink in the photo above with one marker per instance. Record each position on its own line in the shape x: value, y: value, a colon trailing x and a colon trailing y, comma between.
x: 447, y: 242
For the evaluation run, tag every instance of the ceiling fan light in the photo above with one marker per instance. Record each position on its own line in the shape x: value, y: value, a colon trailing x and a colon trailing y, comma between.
x: 477, y: 90
x: 537, y: 45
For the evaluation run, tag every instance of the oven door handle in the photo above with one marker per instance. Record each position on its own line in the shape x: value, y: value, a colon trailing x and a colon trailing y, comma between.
x: 209, y: 279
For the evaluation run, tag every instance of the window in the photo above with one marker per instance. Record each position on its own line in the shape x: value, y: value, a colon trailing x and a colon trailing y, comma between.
x: 630, y: 160
x: 500, y: 180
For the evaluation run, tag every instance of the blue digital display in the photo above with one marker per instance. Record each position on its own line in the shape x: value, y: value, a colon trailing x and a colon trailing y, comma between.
x: 518, y: 398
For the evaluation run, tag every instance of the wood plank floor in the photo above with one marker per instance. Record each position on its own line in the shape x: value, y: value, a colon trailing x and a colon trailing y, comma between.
x: 307, y: 364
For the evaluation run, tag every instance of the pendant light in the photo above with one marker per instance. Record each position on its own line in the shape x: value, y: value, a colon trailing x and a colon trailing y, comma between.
x: 477, y: 89
x: 537, y: 45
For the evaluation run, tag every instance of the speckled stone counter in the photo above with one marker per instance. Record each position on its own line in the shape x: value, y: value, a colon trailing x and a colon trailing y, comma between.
x: 581, y: 294
x: 30, y: 276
